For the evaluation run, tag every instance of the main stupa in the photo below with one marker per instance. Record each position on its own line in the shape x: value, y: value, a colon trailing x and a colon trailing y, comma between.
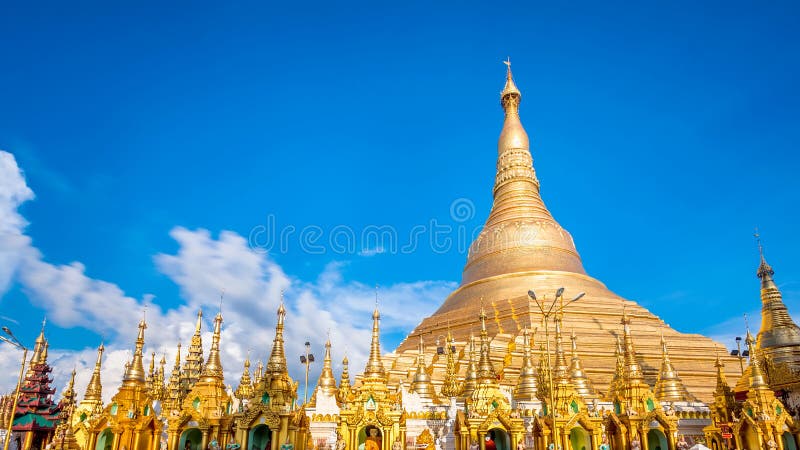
x: 521, y: 248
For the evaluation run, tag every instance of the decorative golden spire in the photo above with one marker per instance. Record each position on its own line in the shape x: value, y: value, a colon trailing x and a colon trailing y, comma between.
x: 282, y: 389
x: 451, y: 387
x: 259, y: 374
x: 633, y: 373
x: 245, y: 388
x: 343, y: 394
x: 69, y: 393
x: 560, y: 367
x: 212, y: 372
x: 94, y: 390
x: 486, y: 373
x: 617, y: 382
x: 723, y: 394
x: 779, y: 337
x: 756, y: 376
x: 38, y: 349
x: 564, y: 389
x: 374, y: 370
x: 636, y: 396
x: 193, y: 366
x: 45, y: 352
x: 327, y: 382
x: 543, y: 380
x: 471, y: 376
x: 159, y: 389
x: 526, y: 383
x: 520, y: 234
x: 174, y: 393
x: 421, y: 383
x: 135, y: 373
x: 277, y: 359
x: 669, y: 387
x: 576, y: 374
x: 151, y: 374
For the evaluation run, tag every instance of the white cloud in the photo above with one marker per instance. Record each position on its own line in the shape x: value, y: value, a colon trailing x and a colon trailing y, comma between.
x: 202, y: 267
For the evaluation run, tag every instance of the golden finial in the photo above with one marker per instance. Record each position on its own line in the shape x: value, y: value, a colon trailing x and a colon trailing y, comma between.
x: 764, y: 271
x: 510, y: 88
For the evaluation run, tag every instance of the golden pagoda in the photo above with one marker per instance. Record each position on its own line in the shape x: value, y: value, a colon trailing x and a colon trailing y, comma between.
x: 618, y: 390
x: 205, y: 414
x: 193, y: 366
x: 269, y: 418
x: 90, y: 407
x: 129, y: 422
x: 522, y: 247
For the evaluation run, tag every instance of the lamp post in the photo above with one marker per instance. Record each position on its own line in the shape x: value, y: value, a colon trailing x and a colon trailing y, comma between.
x: 306, y: 359
x: 740, y: 354
x: 546, y: 317
x: 12, y: 340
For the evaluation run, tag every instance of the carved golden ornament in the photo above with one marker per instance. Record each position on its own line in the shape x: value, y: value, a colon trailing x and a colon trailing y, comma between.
x: 425, y: 438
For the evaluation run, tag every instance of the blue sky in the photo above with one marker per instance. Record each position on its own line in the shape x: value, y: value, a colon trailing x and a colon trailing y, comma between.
x: 662, y: 135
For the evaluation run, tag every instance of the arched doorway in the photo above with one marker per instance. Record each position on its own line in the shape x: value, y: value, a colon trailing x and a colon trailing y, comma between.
x: 579, y: 439
x: 498, y: 439
x: 146, y: 435
x: 748, y: 436
x: 370, y: 438
x: 788, y: 441
x: 260, y: 437
x: 656, y: 440
x: 614, y: 435
x: 104, y: 440
x: 191, y: 439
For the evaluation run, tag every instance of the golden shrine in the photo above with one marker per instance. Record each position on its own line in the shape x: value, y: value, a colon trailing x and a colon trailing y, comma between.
x: 620, y: 380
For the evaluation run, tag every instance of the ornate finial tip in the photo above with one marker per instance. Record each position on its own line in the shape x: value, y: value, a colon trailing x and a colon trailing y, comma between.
x: 510, y: 88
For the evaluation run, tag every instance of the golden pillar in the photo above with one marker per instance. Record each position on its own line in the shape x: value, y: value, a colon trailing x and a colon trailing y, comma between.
x: 596, y: 438
x: 115, y: 442
x: 204, y: 440
x: 243, y: 436
x: 91, y: 442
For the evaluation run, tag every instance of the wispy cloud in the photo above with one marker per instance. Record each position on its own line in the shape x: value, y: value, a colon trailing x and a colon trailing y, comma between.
x: 202, y: 266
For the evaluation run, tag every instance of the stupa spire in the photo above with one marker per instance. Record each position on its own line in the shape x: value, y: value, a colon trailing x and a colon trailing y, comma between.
x: 451, y: 387
x: 560, y: 368
x: 633, y: 373
x: 327, y: 382
x: 245, y: 388
x: 193, y: 366
x: 486, y: 373
x: 277, y: 359
x: 619, y: 370
x: 343, y: 394
x: 421, y: 383
x: 212, y: 372
x: 779, y: 336
x: 525, y: 389
x: 39, y: 348
x: 135, y: 372
x: 576, y: 374
x: 374, y: 369
x: 505, y: 244
x: 94, y: 390
x: 756, y: 375
x: 174, y: 390
x: 471, y: 375
x: 669, y: 387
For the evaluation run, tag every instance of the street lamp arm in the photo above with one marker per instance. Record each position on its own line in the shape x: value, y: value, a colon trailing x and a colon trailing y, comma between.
x: 553, y: 305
